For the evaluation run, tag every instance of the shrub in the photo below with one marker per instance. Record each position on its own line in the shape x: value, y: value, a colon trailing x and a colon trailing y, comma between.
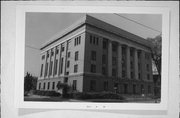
x: 46, y: 93
x: 97, y: 95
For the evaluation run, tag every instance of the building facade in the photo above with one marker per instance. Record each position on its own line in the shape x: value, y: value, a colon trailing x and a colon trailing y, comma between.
x: 94, y: 56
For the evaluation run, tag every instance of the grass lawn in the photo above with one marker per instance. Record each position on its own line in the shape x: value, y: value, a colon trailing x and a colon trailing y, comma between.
x: 60, y: 99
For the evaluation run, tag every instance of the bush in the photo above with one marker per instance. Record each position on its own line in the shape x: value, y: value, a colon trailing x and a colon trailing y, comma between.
x: 46, y: 93
x: 102, y: 95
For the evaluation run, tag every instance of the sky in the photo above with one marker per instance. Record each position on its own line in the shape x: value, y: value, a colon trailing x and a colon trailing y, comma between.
x: 40, y: 27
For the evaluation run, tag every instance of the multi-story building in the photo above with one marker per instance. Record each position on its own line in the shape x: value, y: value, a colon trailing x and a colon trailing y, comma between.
x: 94, y: 56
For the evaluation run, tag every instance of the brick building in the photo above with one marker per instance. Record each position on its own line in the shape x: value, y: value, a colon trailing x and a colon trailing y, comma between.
x: 94, y: 56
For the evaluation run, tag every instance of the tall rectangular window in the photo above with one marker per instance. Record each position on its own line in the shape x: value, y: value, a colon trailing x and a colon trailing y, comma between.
x: 93, y: 85
x: 74, y: 86
x: 114, y: 61
x: 149, y: 89
x: 61, y: 69
x: 50, y: 70
x: 76, y: 55
x: 104, y: 44
x: 147, y: 67
x: 55, y: 66
x: 48, y: 85
x: 57, y: 51
x: 39, y: 86
x: 53, y: 85
x: 75, y: 68
x: 105, y: 85
x: 93, y: 55
x: 69, y: 54
x: 62, y: 48
x: 114, y: 47
x: 91, y: 39
x: 41, y: 70
x: 44, y: 87
x: 104, y: 70
x: 97, y: 40
x: 148, y: 77
x: 103, y: 59
x: 114, y: 72
x: 68, y: 64
x: 46, y: 70
x: 93, y: 68
x: 79, y: 39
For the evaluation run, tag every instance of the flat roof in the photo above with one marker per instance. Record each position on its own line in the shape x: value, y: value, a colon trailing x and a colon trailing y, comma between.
x: 89, y: 20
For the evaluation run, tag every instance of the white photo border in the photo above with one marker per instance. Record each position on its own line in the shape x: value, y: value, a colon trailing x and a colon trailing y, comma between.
x: 20, y: 54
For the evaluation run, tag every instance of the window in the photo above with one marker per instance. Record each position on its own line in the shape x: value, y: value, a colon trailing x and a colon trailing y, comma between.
x: 147, y: 56
x: 103, y: 70
x: 114, y: 72
x: 93, y: 55
x: 123, y: 73
x: 104, y: 44
x: 103, y: 59
x: 62, y: 48
x: 52, y: 53
x: 53, y: 85
x: 39, y: 86
x: 105, y: 85
x: 75, y: 68
x: 132, y: 66
x: 139, y: 75
x: 55, y: 66
x: 92, y: 85
x: 50, y: 70
x: 90, y: 38
x: 77, y: 40
x: 148, y: 77
x: 74, y: 86
x: 93, y: 68
x: 147, y: 67
x: 43, y: 57
x: 139, y: 54
x: 46, y: 70
x: 132, y: 75
x: 97, y: 40
x: 57, y: 51
x: 44, y: 87
x: 69, y: 54
x: 48, y: 85
x: 134, y: 88
x: 114, y: 48
x: 61, y: 70
x: 149, y: 89
x: 47, y: 54
x: 68, y: 63
x: 76, y: 55
x: 114, y: 60
x: 41, y: 70
x: 94, y: 40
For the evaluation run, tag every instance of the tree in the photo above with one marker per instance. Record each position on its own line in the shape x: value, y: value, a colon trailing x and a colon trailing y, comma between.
x: 156, y: 52
x: 156, y: 57
x: 29, y: 82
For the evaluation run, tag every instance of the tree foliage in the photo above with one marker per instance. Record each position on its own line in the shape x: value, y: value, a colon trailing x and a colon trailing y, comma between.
x: 156, y: 52
x: 29, y: 82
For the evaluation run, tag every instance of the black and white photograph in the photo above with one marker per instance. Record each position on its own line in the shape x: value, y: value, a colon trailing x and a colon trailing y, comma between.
x: 90, y: 59
x: 93, y: 57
